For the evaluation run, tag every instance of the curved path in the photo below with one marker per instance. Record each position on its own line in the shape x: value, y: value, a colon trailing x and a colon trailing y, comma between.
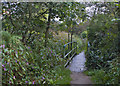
x: 77, y: 66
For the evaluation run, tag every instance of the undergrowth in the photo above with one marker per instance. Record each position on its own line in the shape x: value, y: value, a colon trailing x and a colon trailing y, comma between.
x: 28, y: 64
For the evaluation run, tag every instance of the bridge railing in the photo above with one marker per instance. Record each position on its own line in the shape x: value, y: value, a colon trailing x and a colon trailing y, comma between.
x: 69, y: 51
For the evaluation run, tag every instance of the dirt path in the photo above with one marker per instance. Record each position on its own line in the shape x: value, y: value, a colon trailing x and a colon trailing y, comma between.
x: 80, y: 78
x: 77, y: 66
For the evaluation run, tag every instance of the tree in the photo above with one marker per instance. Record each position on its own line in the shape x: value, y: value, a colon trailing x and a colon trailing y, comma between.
x: 25, y: 19
x: 55, y: 10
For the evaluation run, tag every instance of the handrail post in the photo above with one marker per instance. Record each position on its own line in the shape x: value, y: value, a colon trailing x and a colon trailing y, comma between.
x: 76, y: 47
x: 63, y: 51
x: 68, y: 50
x: 71, y: 49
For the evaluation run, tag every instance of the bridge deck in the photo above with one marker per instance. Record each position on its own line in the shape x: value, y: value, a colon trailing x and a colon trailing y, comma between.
x: 78, y: 63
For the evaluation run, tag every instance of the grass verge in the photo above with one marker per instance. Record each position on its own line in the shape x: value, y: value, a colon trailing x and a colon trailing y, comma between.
x: 63, y: 75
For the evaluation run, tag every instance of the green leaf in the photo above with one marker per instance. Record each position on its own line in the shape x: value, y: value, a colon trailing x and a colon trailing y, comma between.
x: 16, y: 55
x: 23, y: 68
x: 36, y: 6
x: 51, y: 81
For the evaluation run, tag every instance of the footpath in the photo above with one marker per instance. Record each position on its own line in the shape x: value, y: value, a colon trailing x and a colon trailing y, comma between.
x: 77, y: 66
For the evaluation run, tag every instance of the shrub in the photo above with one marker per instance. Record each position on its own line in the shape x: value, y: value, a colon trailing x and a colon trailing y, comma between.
x: 23, y: 65
x: 84, y: 34
x: 103, y: 50
x: 5, y: 37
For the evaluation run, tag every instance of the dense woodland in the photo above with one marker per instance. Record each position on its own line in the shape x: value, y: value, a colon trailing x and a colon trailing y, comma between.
x: 33, y: 35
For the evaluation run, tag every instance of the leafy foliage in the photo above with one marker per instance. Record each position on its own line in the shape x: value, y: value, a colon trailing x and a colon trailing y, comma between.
x: 84, y: 34
x: 105, y: 77
x: 24, y: 57
x: 23, y: 65
x: 102, y: 53
x: 29, y: 27
x: 100, y: 39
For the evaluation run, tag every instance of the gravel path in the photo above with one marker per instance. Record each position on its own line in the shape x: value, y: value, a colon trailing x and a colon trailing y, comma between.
x: 77, y: 66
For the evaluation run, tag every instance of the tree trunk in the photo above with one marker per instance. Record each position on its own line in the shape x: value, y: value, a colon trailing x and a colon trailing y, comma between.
x: 24, y: 36
x: 47, y: 29
x: 119, y: 33
x: 71, y: 41
x: 68, y: 37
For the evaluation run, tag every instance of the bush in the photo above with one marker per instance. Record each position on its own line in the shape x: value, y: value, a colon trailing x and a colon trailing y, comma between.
x: 5, y: 37
x: 103, y: 50
x: 23, y: 65
x: 84, y: 34
x: 105, y: 77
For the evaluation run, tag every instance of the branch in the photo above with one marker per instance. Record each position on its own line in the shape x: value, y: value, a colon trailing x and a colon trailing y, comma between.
x: 29, y: 36
x: 12, y: 22
x: 40, y: 14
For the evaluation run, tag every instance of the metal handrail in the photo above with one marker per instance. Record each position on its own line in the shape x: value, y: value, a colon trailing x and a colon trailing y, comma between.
x: 72, y: 48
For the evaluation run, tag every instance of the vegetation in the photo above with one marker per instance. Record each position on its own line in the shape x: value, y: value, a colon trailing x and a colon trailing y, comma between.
x: 32, y: 41
x: 102, y: 54
x: 22, y: 64
x: 33, y: 35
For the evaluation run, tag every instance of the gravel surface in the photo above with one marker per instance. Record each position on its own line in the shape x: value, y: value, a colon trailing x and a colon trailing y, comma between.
x: 80, y: 78
x: 77, y: 66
